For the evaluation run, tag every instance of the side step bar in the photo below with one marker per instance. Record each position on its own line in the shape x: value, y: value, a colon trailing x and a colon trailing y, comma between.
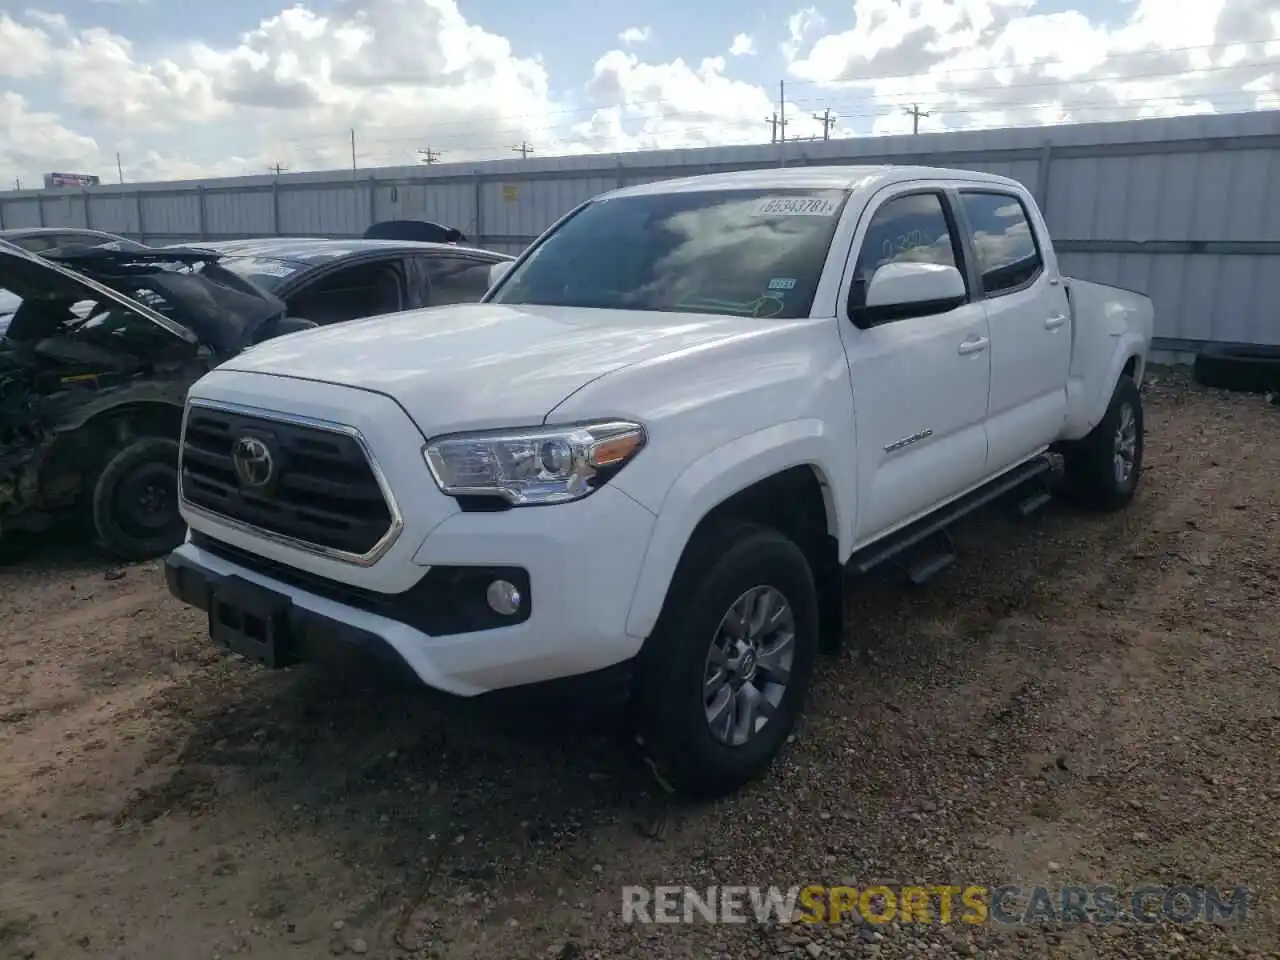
x: 915, y: 535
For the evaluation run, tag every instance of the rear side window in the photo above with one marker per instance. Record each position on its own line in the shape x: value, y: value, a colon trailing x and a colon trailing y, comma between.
x: 1007, y: 254
x: 456, y: 280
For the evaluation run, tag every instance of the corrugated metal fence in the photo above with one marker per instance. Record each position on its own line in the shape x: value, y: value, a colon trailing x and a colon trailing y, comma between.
x: 1184, y: 209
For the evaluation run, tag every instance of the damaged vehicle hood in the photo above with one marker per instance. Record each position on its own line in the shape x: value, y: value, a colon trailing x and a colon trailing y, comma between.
x: 182, y: 291
x: 97, y: 325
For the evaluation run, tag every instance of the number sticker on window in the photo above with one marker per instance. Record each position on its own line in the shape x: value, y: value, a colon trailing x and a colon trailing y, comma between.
x: 795, y: 207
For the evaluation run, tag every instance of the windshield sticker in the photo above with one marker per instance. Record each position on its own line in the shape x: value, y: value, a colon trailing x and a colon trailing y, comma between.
x: 796, y: 207
x: 782, y: 283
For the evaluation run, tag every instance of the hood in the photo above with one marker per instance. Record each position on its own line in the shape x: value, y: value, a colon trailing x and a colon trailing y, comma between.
x: 485, y: 365
x: 200, y: 299
x: 26, y: 276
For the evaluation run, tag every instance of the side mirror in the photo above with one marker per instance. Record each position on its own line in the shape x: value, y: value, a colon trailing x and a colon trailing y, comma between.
x: 498, y: 271
x: 899, y: 291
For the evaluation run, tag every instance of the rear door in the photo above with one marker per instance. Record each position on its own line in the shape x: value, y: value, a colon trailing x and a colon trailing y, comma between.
x: 368, y: 287
x: 1030, y: 322
x: 919, y: 384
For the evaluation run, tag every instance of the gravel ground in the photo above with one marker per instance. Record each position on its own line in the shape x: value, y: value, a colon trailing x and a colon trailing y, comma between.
x: 1081, y: 700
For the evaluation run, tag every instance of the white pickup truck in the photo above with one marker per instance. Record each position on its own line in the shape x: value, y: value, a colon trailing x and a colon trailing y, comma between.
x: 652, y: 451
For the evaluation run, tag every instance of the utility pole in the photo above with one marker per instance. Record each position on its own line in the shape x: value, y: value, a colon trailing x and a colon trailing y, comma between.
x: 353, y: 151
x: 119, y: 168
x: 827, y: 119
x: 277, y: 169
x: 524, y: 149
x: 18, y: 182
x: 773, y: 127
x: 916, y: 113
x: 782, y: 121
x: 428, y: 156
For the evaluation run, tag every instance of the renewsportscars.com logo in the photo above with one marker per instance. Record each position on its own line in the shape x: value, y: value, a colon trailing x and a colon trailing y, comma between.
x: 1009, y: 904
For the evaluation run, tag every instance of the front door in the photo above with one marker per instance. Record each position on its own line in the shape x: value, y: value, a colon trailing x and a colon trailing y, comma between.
x: 919, y: 384
x: 1030, y: 322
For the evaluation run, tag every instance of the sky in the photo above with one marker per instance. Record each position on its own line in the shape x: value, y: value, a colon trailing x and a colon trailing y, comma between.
x: 178, y: 89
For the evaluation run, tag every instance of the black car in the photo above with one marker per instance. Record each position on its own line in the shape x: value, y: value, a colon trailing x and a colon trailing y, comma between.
x: 328, y: 281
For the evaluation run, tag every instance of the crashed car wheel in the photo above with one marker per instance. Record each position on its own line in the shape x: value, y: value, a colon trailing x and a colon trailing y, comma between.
x: 135, y: 500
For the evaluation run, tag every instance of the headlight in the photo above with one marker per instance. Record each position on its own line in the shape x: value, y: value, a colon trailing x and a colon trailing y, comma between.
x: 541, y: 465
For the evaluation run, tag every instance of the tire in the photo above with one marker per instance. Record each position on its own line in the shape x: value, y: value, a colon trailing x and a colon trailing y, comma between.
x: 1246, y: 368
x: 721, y: 566
x: 135, y: 500
x: 1093, y: 465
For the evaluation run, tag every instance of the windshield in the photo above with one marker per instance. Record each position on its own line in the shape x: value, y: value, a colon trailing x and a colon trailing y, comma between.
x: 749, y: 253
x: 266, y: 272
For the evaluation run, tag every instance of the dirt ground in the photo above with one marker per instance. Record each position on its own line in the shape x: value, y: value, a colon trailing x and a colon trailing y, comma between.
x: 1080, y: 700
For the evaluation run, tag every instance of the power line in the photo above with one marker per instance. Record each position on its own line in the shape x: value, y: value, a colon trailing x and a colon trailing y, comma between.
x: 1010, y: 110
x: 428, y: 156
x: 524, y: 149
x: 891, y: 100
x: 277, y: 169
x: 915, y: 113
x: 957, y: 91
x: 1067, y: 113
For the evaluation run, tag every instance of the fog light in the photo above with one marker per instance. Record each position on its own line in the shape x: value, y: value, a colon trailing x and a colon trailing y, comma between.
x: 503, y: 597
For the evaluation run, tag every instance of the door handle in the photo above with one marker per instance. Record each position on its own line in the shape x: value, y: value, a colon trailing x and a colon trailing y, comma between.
x: 974, y: 346
x: 1054, y: 322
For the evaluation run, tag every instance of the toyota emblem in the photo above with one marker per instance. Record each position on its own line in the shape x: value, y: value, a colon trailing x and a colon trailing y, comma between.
x: 253, y: 462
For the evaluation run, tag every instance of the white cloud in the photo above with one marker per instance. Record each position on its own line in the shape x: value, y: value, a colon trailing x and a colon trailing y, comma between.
x: 998, y: 62
x: 673, y: 104
x: 799, y: 26
x: 410, y: 74
x: 24, y: 51
x: 634, y: 35
x: 36, y: 142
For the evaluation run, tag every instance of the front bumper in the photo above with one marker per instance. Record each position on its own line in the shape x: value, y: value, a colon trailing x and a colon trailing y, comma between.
x: 580, y: 563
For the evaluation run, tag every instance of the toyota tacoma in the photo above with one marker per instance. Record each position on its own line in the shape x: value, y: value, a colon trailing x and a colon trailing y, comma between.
x: 649, y: 456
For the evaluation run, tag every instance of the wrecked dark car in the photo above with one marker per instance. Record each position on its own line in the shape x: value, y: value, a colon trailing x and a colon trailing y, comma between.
x: 94, y: 371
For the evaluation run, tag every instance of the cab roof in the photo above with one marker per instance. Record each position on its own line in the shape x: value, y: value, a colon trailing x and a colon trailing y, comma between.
x: 830, y: 177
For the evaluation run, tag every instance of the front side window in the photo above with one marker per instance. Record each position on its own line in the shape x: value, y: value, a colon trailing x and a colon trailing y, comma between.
x: 908, y: 229
x: 1003, y: 242
x: 749, y: 253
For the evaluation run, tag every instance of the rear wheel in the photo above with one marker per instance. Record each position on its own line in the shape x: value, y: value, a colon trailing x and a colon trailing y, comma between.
x: 724, y: 677
x: 1103, y: 468
x: 135, y: 500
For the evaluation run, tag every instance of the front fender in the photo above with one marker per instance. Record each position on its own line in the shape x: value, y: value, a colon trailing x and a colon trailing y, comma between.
x: 714, y: 478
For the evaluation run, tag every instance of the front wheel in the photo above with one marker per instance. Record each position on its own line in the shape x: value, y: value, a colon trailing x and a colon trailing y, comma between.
x: 1103, y: 468
x: 135, y: 500
x: 724, y: 677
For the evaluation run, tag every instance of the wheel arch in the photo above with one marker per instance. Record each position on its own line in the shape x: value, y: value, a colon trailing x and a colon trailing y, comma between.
x: 82, y: 445
x: 792, y: 495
